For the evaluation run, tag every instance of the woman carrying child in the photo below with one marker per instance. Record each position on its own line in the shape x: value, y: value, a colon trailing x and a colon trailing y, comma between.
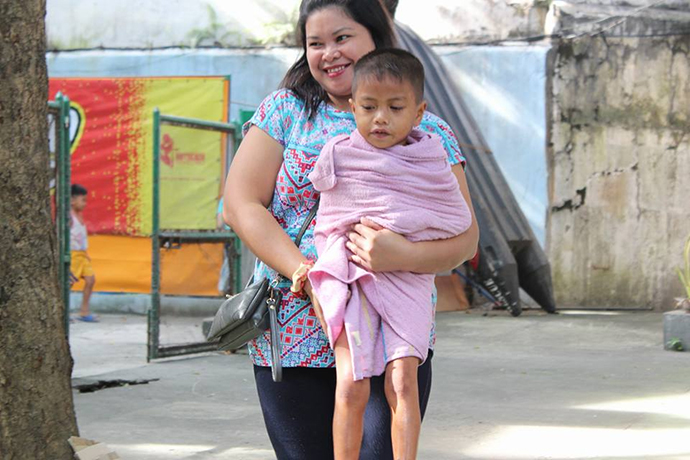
x: 268, y: 195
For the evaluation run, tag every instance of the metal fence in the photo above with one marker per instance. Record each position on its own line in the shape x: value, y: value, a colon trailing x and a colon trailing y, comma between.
x: 161, y: 238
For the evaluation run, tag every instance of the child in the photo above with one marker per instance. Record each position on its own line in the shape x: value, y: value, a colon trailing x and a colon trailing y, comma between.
x: 400, y: 178
x: 81, y: 262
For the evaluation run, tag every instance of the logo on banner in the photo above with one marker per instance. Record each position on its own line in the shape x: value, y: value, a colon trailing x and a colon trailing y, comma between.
x: 170, y: 154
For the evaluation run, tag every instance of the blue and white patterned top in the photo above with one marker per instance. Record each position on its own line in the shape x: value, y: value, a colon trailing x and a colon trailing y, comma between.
x: 284, y: 117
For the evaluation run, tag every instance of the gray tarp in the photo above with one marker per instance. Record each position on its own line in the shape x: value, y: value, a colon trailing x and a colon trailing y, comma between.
x: 509, y: 252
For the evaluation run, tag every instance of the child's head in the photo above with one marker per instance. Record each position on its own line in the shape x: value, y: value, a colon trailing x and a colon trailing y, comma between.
x: 78, y: 197
x: 388, y: 96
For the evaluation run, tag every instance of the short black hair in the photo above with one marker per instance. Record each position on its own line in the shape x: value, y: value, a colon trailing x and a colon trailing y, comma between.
x: 79, y: 190
x: 393, y: 63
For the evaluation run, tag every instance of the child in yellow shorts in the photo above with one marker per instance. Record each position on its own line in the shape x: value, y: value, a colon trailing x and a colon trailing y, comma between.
x: 81, y: 262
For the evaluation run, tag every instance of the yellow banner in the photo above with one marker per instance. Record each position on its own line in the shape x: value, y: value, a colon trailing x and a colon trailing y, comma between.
x: 191, y: 159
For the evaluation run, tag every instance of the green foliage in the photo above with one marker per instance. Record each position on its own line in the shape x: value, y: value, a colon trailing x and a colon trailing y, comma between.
x: 675, y: 344
x: 215, y: 34
x: 684, y: 274
x: 281, y: 31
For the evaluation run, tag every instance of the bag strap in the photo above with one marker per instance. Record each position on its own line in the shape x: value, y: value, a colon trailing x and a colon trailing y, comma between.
x: 305, y: 225
x: 307, y: 222
x: 276, y: 345
x: 300, y: 234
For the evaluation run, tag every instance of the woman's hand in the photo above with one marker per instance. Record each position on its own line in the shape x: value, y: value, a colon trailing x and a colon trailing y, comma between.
x: 378, y: 249
x: 317, y: 306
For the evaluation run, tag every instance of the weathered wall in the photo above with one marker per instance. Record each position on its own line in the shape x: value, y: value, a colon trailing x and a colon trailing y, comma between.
x: 619, y: 164
x: 468, y: 21
x: 622, y: 17
x: 87, y: 24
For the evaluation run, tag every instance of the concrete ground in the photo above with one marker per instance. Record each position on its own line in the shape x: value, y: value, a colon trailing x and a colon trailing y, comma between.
x: 577, y: 385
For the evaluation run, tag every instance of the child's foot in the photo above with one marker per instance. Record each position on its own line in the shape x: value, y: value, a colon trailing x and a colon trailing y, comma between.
x: 88, y: 318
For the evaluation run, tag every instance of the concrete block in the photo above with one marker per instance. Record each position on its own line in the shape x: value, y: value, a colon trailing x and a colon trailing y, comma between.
x: 677, y: 326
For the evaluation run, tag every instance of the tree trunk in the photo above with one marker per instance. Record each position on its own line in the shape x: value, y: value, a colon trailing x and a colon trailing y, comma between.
x: 36, y: 407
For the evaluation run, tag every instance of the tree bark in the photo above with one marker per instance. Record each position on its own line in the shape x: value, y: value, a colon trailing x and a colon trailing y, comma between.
x: 36, y: 407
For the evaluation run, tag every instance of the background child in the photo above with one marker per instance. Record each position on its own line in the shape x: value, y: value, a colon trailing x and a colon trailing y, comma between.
x: 400, y: 178
x: 81, y: 262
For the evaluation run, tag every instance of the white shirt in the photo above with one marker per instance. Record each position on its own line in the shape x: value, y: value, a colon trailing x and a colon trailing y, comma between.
x: 78, y: 235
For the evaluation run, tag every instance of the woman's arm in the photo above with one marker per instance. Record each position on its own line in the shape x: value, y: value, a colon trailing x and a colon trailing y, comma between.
x: 382, y: 250
x: 248, y: 191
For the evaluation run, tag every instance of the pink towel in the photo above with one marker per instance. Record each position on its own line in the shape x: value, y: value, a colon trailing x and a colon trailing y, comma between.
x: 408, y: 189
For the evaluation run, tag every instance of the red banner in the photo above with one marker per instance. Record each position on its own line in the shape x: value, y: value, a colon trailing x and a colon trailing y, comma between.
x: 111, y: 136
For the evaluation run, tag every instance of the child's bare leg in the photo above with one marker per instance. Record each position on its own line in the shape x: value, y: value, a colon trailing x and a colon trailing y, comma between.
x: 89, y: 282
x: 402, y: 392
x: 350, y: 402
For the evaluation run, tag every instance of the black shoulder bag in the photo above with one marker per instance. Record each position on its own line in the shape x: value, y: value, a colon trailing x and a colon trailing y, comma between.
x: 247, y: 314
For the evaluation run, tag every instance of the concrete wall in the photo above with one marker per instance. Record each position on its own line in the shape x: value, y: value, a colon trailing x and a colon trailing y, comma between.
x: 626, y: 17
x: 619, y: 164
x: 467, y: 21
x: 88, y: 24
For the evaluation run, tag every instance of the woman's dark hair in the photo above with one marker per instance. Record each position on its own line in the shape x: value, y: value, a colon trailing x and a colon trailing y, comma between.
x: 391, y: 5
x: 371, y: 14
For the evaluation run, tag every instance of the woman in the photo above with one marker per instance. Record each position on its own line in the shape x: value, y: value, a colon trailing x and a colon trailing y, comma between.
x: 267, y: 198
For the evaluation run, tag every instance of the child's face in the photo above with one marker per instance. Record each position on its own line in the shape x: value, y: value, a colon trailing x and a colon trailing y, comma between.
x: 79, y: 202
x: 386, y: 110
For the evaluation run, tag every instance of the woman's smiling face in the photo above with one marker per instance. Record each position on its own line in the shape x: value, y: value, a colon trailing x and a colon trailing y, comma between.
x: 334, y: 43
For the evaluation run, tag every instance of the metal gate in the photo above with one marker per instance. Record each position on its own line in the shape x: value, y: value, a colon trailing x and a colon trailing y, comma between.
x: 161, y: 238
x: 59, y: 142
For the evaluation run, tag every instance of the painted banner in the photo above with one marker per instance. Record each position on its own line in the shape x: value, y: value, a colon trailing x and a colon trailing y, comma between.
x: 123, y: 264
x: 111, y: 136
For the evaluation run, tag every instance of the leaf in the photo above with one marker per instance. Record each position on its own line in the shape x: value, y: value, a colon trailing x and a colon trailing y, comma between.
x: 684, y: 275
x: 683, y: 281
